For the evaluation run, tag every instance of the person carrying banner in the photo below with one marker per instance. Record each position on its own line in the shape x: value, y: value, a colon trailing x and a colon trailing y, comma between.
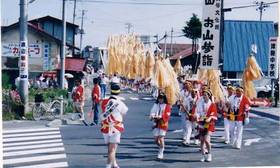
x: 160, y: 114
x: 189, y: 106
x: 185, y: 95
x: 113, y: 112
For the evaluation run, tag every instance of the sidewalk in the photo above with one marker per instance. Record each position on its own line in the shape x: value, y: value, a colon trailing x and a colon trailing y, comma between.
x: 270, y: 112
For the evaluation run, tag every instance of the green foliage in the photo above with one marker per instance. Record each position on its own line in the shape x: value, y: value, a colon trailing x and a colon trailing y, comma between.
x: 193, y: 28
x: 5, y: 81
x: 29, y: 116
x: 68, y: 108
x: 8, y: 116
x: 48, y: 94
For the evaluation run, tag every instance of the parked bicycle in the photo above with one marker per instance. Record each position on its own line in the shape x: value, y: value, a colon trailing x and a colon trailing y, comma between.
x: 49, y: 110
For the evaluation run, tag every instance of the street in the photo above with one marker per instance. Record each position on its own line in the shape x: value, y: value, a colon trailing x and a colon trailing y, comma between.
x: 82, y: 146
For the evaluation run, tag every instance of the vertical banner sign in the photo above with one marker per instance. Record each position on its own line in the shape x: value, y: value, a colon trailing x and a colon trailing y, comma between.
x: 273, y: 60
x: 210, y: 46
x: 23, y: 63
x: 46, y: 58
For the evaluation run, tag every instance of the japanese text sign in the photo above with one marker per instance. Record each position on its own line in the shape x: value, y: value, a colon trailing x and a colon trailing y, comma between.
x: 210, y: 46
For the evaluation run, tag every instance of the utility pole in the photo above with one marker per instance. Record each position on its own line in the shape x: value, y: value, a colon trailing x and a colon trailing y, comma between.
x: 261, y: 7
x: 74, y: 11
x: 128, y: 26
x: 82, y: 30
x: 23, y: 60
x: 62, y: 46
x: 165, y: 44
x: 171, y: 43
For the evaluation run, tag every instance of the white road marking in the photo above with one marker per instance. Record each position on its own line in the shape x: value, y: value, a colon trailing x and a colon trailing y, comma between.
x: 34, y: 151
x: 32, y: 148
x: 32, y: 142
x: 134, y: 98
x: 48, y: 165
x: 177, y: 131
x: 16, y: 139
x: 6, y: 149
x: 148, y: 98
x: 121, y: 98
x: 30, y: 134
x: 34, y: 159
x: 30, y: 130
x: 248, y: 142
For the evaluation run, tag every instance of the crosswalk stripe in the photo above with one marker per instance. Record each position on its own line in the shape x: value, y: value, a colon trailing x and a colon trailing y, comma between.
x: 48, y: 165
x: 30, y: 148
x: 32, y: 142
x: 35, y: 151
x: 34, y: 159
x: 6, y: 149
x: 30, y: 130
x: 16, y: 139
x: 30, y: 134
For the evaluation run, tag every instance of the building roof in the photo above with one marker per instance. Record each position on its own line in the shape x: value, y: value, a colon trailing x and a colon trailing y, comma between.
x: 183, y: 54
x: 176, y: 47
x: 36, y: 29
x: 74, y: 64
x: 51, y: 18
x: 238, y: 38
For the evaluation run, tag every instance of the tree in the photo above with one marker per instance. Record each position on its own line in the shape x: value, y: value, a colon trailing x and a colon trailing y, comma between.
x: 192, y: 30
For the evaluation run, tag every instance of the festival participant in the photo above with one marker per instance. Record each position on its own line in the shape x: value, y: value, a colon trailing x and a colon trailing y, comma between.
x: 206, y: 117
x: 113, y: 111
x: 240, y: 108
x: 160, y: 114
x: 227, y: 111
x: 184, y: 99
x: 78, y: 99
x: 189, y: 106
x: 96, y: 97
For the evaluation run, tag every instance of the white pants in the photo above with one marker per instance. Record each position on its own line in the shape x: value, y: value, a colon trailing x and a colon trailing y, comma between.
x: 184, y: 124
x: 227, y: 125
x: 190, y: 127
x: 236, y: 129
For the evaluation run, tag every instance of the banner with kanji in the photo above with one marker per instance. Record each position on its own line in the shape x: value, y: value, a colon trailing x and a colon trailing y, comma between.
x: 273, y: 59
x: 211, y: 26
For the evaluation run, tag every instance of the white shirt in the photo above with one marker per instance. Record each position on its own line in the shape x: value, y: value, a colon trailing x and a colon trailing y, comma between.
x: 157, y: 110
x: 236, y: 102
x: 202, y: 107
x: 115, y: 79
x: 116, y: 108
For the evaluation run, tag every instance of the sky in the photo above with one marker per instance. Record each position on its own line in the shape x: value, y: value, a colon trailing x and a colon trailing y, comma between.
x: 105, y: 19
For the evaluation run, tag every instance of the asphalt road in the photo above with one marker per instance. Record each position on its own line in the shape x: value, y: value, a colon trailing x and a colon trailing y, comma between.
x: 84, y: 146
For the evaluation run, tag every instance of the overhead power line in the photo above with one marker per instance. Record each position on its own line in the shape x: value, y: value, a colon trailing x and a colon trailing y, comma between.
x: 138, y: 3
x: 254, y: 5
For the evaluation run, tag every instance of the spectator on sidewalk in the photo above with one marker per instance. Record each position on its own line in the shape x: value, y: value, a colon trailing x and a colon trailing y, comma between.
x: 96, y: 97
x: 103, y: 84
x: 78, y: 99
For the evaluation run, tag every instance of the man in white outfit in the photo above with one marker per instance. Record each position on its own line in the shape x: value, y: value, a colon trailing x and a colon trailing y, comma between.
x: 240, y: 107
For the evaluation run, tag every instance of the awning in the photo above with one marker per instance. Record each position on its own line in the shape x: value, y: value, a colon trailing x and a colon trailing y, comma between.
x: 74, y: 64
